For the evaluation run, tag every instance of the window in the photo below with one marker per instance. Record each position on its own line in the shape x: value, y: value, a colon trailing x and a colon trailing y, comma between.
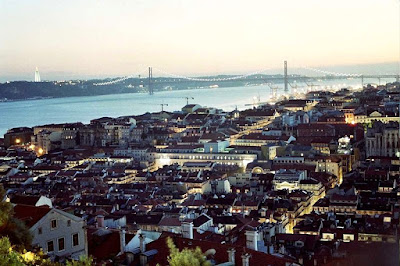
x: 40, y: 230
x: 50, y: 246
x: 69, y: 223
x: 53, y: 224
x: 61, y: 244
x: 75, y: 240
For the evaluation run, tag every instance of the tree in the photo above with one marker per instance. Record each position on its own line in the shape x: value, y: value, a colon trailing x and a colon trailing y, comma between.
x: 186, y: 257
x: 5, y: 208
x: 83, y: 261
x: 16, y: 231
x: 10, y: 256
x: 7, y: 255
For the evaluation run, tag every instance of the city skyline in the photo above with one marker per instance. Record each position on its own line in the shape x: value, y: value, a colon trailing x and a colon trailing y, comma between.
x: 188, y: 37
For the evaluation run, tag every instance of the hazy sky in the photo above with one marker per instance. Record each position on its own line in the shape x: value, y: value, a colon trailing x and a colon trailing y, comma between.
x: 119, y: 37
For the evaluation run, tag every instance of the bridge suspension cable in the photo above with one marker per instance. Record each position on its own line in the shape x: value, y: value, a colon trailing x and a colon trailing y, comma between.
x: 331, y: 73
x: 118, y: 79
x: 228, y: 78
x: 211, y: 79
x: 181, y: 77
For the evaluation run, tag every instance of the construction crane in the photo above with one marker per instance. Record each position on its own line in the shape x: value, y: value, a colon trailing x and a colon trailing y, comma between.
x: 162, y: 106
x: 310, y: 85
x: 274, y: 90
x: 294, y: 87
x: 187, y: 99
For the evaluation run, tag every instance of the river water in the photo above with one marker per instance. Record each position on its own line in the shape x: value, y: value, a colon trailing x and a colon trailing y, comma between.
x: 83, y: 109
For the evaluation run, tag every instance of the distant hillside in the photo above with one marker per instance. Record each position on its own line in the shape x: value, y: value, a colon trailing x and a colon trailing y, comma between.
x: 24, y: 90
x: 19, y: 90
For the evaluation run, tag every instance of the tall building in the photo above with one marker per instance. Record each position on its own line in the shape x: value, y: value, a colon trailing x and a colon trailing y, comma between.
x: 383, y: 139
x: 37, y: 75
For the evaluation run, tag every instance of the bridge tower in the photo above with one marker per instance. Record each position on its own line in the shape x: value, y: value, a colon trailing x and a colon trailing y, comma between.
x: 285, y: 76
x: 150, y: 79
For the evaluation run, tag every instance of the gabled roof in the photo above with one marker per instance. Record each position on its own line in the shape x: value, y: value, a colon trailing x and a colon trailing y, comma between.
x: 30, y: 215
x: 25, y: 199
x: 202, y: 219
x: 190, y: 105
x: 170, y: 221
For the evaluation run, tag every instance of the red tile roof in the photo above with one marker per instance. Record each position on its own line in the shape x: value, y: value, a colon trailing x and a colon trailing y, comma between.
x: 221, y: 255
x: 30, y: 215
x: 105, y: 246
x: 24, y: 199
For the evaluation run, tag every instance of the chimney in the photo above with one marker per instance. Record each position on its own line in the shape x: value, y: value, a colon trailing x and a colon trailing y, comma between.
x: 231, y: 255
x: 129, y: 257
x: 122, y: 240
x: 246, y: 259
x: 263, y: 212
x: 142, y: 244
x: 251, y: 239
x: 187, y: 230
x: 100, y: 221
x: 143, y: 260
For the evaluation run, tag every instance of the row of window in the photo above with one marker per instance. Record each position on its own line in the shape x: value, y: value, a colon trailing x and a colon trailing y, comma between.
x: 288, y: 161
x: 61, y: 243
x: 53, y: 225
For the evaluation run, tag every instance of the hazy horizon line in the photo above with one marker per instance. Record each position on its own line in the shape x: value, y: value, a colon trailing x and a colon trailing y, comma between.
x: 64, y: 76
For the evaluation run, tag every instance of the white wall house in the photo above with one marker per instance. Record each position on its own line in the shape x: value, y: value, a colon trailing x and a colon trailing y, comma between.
x: 57, y: 232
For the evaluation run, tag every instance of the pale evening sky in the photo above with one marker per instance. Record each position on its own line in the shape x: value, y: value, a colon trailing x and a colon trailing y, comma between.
x: 90, y: 38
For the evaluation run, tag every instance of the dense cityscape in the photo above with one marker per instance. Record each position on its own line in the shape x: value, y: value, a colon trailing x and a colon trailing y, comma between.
x: 310, y: 181
x: 200, y: 133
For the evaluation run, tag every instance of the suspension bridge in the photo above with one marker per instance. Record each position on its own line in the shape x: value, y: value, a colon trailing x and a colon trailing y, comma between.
x: 166, y: 78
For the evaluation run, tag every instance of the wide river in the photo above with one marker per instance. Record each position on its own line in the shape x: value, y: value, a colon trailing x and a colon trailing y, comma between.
x: 83, y: 109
